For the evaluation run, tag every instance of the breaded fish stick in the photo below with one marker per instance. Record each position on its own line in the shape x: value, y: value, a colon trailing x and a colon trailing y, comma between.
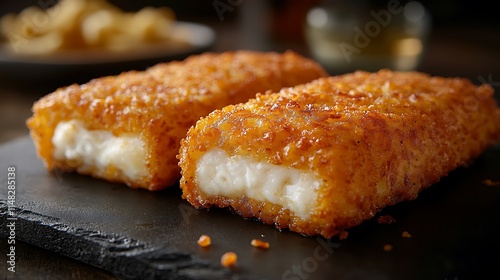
x: 322, y: 157
x: 127, y: 128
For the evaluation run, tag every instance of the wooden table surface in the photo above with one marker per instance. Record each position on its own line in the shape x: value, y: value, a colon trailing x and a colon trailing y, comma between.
x: 469, y: 52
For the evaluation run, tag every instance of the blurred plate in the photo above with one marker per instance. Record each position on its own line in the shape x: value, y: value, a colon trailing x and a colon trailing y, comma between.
x: 81, y: 65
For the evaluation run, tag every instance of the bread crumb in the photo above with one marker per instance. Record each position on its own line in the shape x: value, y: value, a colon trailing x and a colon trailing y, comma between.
x: 260, y: 244
x: 386, y: 219
x: 388, y: 247
x: 229, y: 259
x: 204, y: 241
x: 343, y: 235
x: 491, y: 183
x: 406, y: 234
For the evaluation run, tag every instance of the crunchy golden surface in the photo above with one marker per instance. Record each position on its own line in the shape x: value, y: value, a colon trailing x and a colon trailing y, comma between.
x: 161, y: 103
x: 373, y: 139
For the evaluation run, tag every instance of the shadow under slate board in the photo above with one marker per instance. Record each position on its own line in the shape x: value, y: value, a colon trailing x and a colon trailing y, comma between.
x: 454, y: 227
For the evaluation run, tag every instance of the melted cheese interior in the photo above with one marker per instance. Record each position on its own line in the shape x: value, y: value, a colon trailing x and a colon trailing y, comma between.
x: 93, y: 151
x: 237, y: 176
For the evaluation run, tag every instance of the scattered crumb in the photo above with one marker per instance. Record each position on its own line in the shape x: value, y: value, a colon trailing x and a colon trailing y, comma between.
x: 386, y: 219
x: 491, y: 183
x: 204, y: 241
x: 228, y: 259
x: 406, y: 234
x: 260, y: 244
x: 388, y: 247
x: 343, y: 235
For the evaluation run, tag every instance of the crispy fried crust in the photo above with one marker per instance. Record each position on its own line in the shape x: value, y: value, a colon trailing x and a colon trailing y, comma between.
x: 161, y: 103
x: 373, y: 139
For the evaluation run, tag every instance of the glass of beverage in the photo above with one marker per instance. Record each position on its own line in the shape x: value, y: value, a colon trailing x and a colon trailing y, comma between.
x: 353, y: 35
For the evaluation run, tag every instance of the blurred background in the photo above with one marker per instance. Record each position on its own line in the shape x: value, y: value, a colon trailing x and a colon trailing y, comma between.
x: 448, y: 38
x: 457, y: 37
x: 451, y: 38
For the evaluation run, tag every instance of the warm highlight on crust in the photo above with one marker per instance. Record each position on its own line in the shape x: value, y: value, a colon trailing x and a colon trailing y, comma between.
x: 373, y: 139
x: 161, y: 103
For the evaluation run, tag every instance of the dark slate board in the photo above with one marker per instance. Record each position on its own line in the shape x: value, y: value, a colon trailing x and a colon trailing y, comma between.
x: 455, y: 230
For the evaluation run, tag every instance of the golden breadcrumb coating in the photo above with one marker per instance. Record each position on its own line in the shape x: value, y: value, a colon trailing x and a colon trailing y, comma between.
x: 161, y: 103
x: 229, y: 259
x: 257, y: 243
x: 406, y: 234
x: 372, y: 139
x: 204, y: 241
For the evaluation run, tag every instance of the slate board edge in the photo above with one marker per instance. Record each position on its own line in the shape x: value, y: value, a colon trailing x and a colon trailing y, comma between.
x: 125, y: 258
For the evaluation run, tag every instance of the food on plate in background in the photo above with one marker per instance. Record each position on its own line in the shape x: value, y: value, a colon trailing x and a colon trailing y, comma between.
x: 127, y: 128
x: 323, y: 157
x: 84, y: 24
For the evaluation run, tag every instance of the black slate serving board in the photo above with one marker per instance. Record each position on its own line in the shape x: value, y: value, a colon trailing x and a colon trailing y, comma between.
x: 455, y: 228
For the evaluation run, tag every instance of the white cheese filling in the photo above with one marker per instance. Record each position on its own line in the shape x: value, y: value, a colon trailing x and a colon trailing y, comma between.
x: 93, y: 151
x: 237, y: 176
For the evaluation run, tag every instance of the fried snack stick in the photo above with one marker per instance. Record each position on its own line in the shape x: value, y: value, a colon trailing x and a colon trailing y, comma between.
x: 322, y: 157
x: 127, y: 128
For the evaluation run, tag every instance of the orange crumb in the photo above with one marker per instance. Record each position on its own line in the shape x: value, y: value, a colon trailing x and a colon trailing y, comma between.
x: 343, y: 235
x: 204, y: 241
x: 228, y: 259
x: 260, y: 244
x: 388, y: 247
x: 386, y: 219
x: 491, y: 183
x: 406, y: 234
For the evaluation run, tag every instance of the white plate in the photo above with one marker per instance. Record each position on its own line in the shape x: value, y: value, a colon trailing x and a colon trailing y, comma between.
x: 187, y: 38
